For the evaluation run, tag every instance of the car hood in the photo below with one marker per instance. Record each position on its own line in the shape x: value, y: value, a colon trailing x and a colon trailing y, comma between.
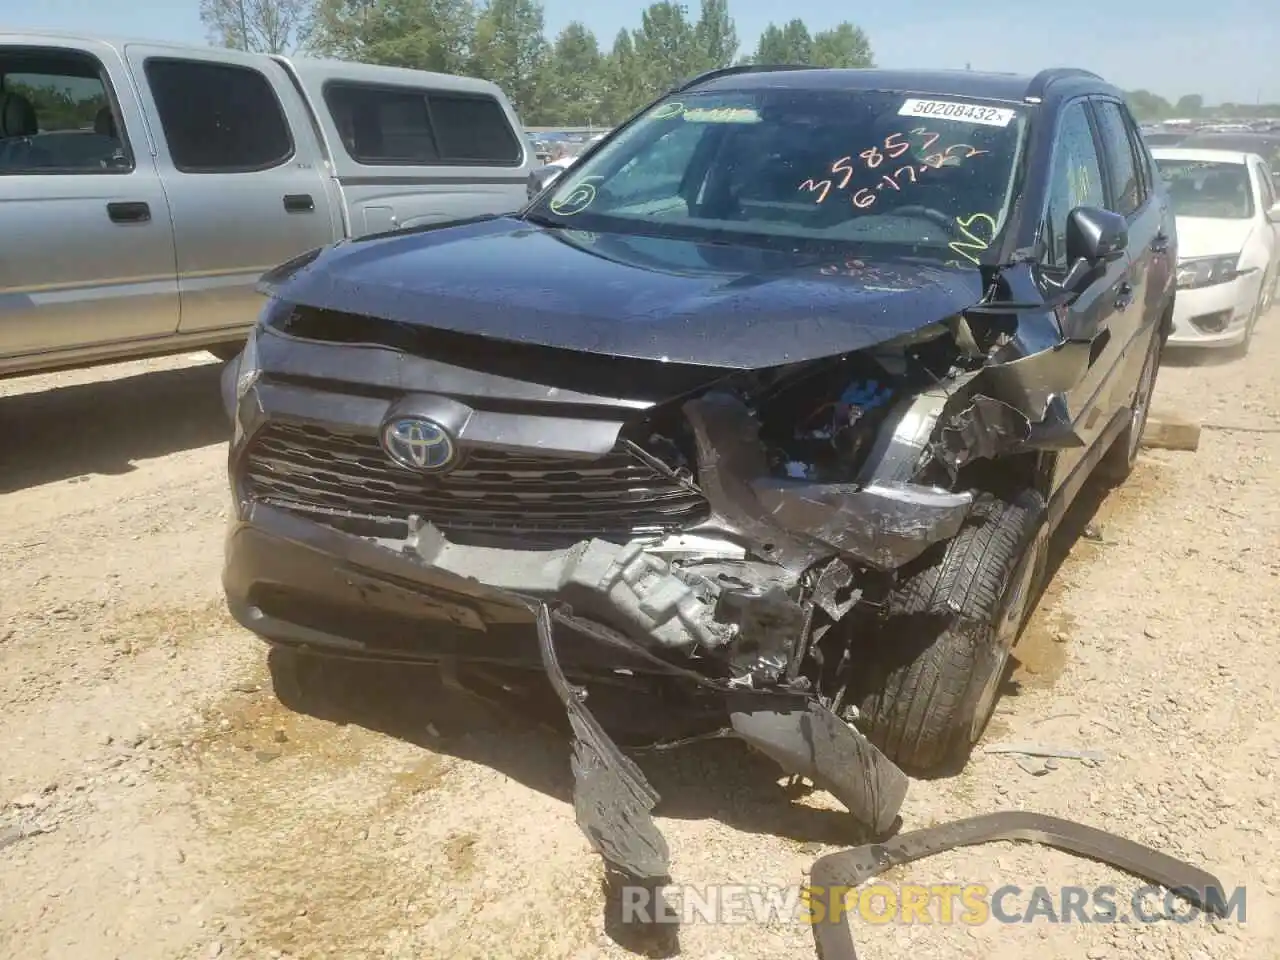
x: 1211, y: 237
x: 630, y: 296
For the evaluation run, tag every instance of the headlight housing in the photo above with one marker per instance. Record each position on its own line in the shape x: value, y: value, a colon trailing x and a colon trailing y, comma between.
x: 1207, y: 271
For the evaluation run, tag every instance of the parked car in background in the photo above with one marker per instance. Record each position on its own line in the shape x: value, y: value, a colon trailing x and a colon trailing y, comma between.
x: 145, y: 187
x: 1163, y: 138
x: 1265, y: 145
x: 1229, y: 243
x: 775, y: 397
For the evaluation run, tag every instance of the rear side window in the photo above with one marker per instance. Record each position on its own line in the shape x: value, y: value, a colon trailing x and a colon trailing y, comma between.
x: 218, y: 118
x: 1127, y: 194
x: 57, y: 115
x: 397, y: 125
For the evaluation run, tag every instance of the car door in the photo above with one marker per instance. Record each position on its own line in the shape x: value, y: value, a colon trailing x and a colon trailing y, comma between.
x: 86, y: 246
x: 1078, y: 179
x: 1271, y: 229
x: 1132, y: 194
x: 243, y: 172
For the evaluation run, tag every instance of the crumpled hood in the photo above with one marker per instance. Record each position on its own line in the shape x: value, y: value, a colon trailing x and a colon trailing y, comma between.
x: 1209, y: 237
x: 631, y: 296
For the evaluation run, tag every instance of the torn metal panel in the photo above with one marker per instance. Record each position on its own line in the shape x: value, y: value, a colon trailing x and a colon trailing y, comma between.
x: 729, y: 457
x: 834, y: 875
x: 985, y: 428
x: 807, y: 739
x: 882, y: 525
x: 796, y: 523
x: 612, y: 800
x: 1028, y: 382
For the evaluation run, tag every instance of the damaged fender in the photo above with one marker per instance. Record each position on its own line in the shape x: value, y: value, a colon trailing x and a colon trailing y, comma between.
x: 839, y: 872
x: 796, y: 523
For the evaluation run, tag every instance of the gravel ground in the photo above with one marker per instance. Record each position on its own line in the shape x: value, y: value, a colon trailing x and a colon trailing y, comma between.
x: 156, y: 801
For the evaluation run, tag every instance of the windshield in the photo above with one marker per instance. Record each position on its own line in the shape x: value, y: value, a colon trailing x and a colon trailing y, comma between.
x: 1216, y: 190
x: 779, y: 165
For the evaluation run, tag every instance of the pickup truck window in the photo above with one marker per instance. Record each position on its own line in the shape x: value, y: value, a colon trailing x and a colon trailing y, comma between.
x: 57, y: 116
x: 400, y: 125
x: 218, y: 118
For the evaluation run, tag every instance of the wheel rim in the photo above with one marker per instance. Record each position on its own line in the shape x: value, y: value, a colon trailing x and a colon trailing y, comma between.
x: 1142, y: 400
x: 1004, y: 636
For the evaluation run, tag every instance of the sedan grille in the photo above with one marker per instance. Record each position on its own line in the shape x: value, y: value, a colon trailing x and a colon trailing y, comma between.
x: 539, y: 501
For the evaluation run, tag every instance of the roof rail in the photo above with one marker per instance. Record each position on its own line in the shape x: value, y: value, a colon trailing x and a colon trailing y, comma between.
x: 1046, y: 77
x: 740, y: 68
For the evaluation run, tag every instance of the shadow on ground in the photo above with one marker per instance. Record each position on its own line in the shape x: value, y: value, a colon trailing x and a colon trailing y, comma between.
x: 103, y: 427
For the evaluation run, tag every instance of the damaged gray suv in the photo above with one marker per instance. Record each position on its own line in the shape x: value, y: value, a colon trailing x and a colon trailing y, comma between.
x: 762, y: 414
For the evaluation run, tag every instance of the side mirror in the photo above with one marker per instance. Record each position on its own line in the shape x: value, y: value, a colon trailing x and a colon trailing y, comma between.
x: 541, y: 178
x: 1094, y: 237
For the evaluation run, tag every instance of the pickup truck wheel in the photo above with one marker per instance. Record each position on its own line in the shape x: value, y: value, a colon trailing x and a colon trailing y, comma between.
x: 940, y: 656
x: 226, y: 351
x: 1118, y: 462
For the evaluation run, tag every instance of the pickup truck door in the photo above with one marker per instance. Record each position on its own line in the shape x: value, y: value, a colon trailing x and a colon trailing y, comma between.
x: 87, y: 255
x: 243, y: 172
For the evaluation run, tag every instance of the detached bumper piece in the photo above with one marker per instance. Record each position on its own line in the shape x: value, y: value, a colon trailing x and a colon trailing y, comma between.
x: 834, y: 875
x: 613, y: 802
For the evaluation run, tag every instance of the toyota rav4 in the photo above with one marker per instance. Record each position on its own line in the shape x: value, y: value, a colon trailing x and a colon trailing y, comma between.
x: 762, y: 413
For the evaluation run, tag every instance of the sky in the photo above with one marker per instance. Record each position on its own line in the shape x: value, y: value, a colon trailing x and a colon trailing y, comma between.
x: 1225, y: 50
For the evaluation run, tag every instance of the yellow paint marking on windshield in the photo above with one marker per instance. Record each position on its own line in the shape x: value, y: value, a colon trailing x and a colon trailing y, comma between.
x: 575, y: 201
x: 972, y: 245
x: 722, y: 115
x: 668, y: 110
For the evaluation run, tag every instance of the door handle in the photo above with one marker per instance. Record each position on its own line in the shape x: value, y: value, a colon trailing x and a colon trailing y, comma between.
x: 299, y: 203
x: 1124, y: 294
x: 1161, y: 243
x: 130, y: 211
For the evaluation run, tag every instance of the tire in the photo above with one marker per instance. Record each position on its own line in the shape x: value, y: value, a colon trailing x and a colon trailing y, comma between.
x: 940, y: 656
x: 1118, y: 462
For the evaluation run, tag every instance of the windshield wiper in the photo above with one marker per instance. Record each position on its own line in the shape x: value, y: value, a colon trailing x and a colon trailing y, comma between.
x: 543, y: 220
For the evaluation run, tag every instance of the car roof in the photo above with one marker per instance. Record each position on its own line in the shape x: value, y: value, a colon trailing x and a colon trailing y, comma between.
x: 1206, y: 156
x: 1011, y: 87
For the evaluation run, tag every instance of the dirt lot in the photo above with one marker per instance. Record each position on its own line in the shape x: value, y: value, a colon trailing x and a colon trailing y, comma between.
x: 157, y: 802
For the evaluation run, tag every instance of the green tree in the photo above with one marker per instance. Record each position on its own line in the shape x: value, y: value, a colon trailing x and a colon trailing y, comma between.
x: 843, y: 46
x: 790, y: 43
x: 716, y: 35
x: 574, y: 82
x: 1147, y: 105
x: 1189, y: 106
x: 510, y: 50
x: 666, y: 48
x: 259, y: 26
x: 624, y: 83
x: 422, y: 34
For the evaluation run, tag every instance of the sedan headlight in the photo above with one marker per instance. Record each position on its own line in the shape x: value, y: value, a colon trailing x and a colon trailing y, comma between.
x: 1206, y: 271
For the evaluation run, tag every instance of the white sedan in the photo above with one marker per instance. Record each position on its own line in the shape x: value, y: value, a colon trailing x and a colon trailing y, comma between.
x: 1228, y: 243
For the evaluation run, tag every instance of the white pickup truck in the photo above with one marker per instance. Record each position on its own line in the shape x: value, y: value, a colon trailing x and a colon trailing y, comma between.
x: 145, y: 187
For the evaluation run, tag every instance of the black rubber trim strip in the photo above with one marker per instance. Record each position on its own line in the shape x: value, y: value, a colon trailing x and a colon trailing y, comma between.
x: 849, y: 868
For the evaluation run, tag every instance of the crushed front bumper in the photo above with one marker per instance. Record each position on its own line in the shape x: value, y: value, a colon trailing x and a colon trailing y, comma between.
x: 286, y: 575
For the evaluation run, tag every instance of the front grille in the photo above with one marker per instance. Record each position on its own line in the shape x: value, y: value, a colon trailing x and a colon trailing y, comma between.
x: 492, y: 497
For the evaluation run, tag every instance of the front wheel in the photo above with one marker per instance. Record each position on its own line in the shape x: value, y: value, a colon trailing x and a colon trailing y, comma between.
x: 938, y: 660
